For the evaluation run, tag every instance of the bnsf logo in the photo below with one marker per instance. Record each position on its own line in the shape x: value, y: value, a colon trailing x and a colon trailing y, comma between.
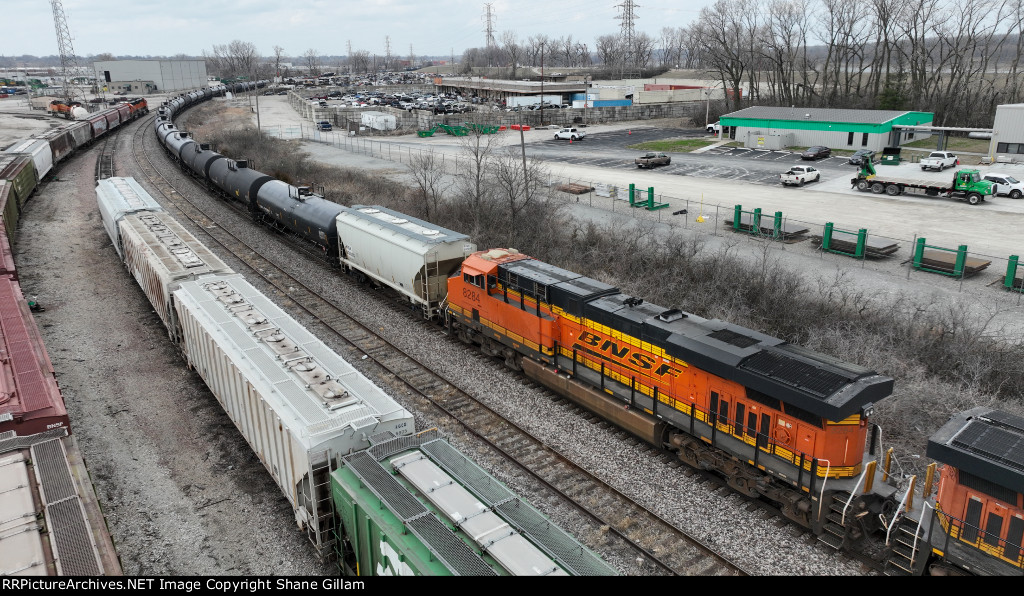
x: 625, y: 355
x: 56, y: 425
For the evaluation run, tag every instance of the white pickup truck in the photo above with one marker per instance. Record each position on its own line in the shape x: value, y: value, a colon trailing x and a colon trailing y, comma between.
x: 573, y: 134
x: 799, y: 175
x: 939, y: 160
x: 714, y: 128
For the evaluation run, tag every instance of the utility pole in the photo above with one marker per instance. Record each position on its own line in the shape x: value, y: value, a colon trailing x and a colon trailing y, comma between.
x: 707, y: 109
x: 542, y: 85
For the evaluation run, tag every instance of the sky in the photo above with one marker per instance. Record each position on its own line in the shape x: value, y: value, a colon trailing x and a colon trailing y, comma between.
x: 434, y: 28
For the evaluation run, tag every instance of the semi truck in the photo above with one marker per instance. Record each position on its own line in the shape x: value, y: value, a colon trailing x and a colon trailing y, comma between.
x: 966, y: 185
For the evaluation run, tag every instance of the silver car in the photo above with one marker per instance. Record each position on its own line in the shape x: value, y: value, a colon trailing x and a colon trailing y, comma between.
x: 1005, y: 185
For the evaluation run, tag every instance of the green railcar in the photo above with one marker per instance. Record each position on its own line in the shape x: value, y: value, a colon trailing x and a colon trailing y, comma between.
x: 416, y: 506
x: 17, y: 181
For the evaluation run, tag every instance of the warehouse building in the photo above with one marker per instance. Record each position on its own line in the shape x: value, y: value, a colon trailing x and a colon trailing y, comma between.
x: 142, y: 76
x: 764, y: 127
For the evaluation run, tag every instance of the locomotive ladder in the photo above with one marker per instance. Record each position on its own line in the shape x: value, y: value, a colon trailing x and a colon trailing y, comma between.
x: 834, y: 532
x: 320, y: 506
x: 905, y: 557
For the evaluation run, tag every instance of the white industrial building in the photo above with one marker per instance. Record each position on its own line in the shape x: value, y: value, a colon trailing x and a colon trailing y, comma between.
x: 769, y: 127
x: 1007, y: 143
x: 149, y: 76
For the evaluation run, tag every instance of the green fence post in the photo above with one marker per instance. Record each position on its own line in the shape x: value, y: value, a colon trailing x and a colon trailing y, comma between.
x: 961, y: 258
x: 777, y: 231
x: 918, y: 253
x: 650, y: 197
x: 862, y: 241
x: 737, y: 213
x: 1011, y: 272
x: 756, y: 221
x: 826, y: 236
x: 632, y: 195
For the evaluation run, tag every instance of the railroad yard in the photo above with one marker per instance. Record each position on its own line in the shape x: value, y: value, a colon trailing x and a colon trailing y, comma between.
x: 181, y: 488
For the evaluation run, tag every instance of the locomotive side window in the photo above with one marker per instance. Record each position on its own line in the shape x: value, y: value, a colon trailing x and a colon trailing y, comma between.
x: 475, y: 280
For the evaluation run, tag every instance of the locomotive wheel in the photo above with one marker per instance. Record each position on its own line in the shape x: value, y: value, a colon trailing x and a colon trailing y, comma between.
x: 878, y: 188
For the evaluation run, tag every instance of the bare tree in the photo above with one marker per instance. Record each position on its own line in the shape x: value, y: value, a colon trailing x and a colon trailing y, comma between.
x: 428, y: 172
x: 472, y: 186
x: 238, y: 58
x: 513, y: 51
x: 361, y: 61
x: 313, y: 63
x: 278, y: 54
x: 516, y: 194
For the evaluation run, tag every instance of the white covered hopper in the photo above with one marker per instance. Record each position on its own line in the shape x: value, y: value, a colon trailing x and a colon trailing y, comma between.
x: 410, y: 255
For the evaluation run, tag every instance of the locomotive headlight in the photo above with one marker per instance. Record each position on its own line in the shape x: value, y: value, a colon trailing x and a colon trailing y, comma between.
x: 867, y: 411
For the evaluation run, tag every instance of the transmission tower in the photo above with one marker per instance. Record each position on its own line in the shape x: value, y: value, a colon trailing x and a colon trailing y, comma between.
x: 68, y: 61
x: 627, y: 33
x: 387, y: 52
x: 489, y: 19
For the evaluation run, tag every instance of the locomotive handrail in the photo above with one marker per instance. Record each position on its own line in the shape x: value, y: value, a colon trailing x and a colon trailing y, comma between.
x: 917, y: 533
x: 896, y: 515
x: 853, y: 493
x: 821, y: 495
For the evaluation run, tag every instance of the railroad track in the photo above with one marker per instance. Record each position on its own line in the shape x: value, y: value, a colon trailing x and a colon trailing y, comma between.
x: 657, y: 542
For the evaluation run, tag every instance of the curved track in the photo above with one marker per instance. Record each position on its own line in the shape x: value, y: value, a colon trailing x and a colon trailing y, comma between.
x: 667, y: 548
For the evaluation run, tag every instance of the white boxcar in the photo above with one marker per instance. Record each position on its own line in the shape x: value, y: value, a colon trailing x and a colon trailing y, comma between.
x: 298, y: 404
x: 42, y: 155
x: 118, y: 197
x: 160, y: 254
x: 412, y: 256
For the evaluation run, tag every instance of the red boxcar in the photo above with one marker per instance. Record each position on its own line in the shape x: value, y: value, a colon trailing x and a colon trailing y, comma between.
x: 98, y: 122
x: 31, y: 405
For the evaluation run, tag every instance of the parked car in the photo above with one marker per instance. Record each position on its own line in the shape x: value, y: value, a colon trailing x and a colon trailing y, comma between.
x: 816, y: 152
x: 1004, y: 184
x: 862, y: 154
x: 323, y: 125
x: 714, y: 128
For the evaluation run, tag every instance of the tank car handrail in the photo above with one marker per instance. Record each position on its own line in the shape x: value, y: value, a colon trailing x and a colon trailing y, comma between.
x: 896, y: 515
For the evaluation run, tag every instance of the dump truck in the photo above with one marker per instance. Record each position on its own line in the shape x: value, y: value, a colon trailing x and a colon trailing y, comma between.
x: 966, y: 185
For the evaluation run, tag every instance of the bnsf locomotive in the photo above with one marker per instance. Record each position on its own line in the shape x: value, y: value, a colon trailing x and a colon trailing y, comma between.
x: 775, y: 419
x: 724, y: 397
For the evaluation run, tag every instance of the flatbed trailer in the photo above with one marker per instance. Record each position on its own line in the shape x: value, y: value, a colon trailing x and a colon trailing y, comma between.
x: 966, y: 185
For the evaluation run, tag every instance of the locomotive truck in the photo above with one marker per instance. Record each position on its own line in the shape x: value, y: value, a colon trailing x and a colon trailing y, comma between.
x: 966, y: 185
